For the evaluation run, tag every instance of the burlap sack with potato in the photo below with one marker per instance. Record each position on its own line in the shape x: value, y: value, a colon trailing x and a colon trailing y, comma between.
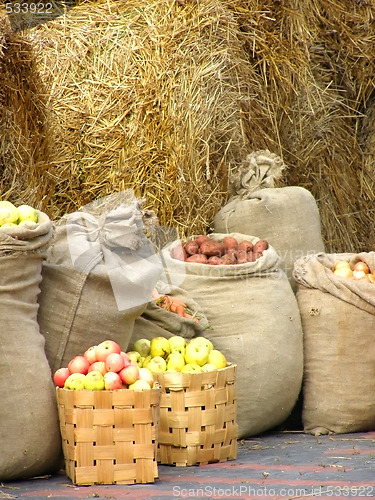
x: 254, y: 320
x: 338, y: 319
x: 30, y: 442
x: 288, y: 217
x: 97, y: 279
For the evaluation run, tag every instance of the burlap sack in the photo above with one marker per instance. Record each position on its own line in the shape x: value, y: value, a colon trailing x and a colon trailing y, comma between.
x: 255, y: 322
x: 30, y: 442
x: 338, y: 319
x: 158, y: 322
x: 288, y: 217
x: 97, y: 280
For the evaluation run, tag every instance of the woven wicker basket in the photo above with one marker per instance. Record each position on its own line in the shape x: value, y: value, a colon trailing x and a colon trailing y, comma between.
x: 109, y: 436
x: 197, y: 417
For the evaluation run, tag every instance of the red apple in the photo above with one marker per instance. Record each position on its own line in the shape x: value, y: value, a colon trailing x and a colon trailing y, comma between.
x: 105, y: 348
x: 127, y: 360
x: 114, y: 362
x: 78, y: 364
x: 112, y: 381
x: 60, y: 376
x: 98, y: 366
x: 146, y: 374
x: 129, y: 374
x: 90, y: 354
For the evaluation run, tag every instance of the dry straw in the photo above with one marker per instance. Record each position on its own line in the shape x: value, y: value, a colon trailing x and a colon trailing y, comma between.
x: 146, y: 96
x: 315, y: 66
x: 25, y: 145
x: 167, y: 97
x: 109, y: 436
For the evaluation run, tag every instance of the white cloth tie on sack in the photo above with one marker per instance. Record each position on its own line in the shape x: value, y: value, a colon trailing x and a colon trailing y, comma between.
x: 117, y: 241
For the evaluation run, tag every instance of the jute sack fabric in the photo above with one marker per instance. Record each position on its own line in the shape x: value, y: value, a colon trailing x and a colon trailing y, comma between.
x: 30, y: 442
x: 338, y: 319
x: 288, y: 217
x: 99, y: 296
x: 254, y: 320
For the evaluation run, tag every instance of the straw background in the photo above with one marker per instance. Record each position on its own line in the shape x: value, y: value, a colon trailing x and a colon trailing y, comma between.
x: 167, y: 97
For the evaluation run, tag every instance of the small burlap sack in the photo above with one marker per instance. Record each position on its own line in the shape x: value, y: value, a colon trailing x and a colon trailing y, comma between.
x: 254, y: 320
x: 97, y: 279
x: 338, y: 319
x: 156, y: 321
x: 30, y: 442
x: 288, y: 217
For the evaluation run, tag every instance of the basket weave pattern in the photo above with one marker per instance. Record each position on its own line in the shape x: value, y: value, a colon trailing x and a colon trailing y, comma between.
x: 197, y: 417
x: 109, y: 436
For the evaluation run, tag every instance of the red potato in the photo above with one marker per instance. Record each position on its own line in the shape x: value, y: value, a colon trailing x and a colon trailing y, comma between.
x: 245, y: 245
x: 211, y: 248
x: 198, y: 258
x: 201, y: 238
x: 252, y: 256
x: 242, y: 257
x: 229, y: 258
x: 215, y: 261
x: 260, y: 246
x: 179, y: 253
x: 230, y: 243
x: 191, y: 247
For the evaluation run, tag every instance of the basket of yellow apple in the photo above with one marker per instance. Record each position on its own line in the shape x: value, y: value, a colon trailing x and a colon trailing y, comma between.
x: 198, y: 399
x: 109, y: 413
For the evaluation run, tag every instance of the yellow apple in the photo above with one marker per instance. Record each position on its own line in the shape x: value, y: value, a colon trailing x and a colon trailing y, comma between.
x: 175, y: 361
x: 177, y: 344
x: 159, y: 346
x: 191, y: 368
x: 217, y: 359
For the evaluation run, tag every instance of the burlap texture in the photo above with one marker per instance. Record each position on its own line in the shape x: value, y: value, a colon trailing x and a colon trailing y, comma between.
x: 338, y: 319
x: 255, y: 321
x: 30, y: 441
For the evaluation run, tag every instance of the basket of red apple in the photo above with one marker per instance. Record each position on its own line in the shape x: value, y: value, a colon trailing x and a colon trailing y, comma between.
x: 198, y: 399
x: 109, y: 412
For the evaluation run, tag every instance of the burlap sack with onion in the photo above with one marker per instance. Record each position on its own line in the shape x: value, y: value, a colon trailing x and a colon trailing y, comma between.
x: 338, y: 319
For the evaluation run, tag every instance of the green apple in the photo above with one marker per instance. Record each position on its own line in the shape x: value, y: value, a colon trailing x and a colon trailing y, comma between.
x: 157, y: 364
x: 25, y: 212
x: 159, y: 346
x: 177, y: 344
x: 8, y: 213
x: 208, y: 367
x: 143, y: 347
x: 191, y: 368
x: 75, y: 382
x: 9, y: 224
x: 136, y: 357
x: 217, y: 359
x: 140, y: 385
x: 94, y: 381
x: 175, y: 361
x: 197, y: 352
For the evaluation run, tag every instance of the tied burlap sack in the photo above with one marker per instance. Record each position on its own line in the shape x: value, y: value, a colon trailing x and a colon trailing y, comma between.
x: 338, y: 319
x: 97, y: 279
x: 288, y: 217
x: 30, y: 442
x: 254, y: 320
x: 156, y: 321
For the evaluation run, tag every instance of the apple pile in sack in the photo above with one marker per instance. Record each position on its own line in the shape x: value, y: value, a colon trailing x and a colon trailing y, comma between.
x: 106, y: 367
